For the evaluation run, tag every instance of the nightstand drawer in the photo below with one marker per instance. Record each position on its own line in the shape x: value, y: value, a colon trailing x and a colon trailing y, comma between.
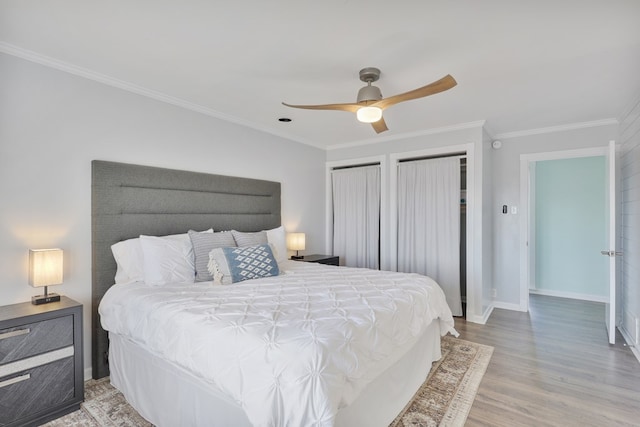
x: 35, y: 338
x: 26, y: 393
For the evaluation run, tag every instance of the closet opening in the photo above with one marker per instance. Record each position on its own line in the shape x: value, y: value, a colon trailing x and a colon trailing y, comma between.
x: 432, y: 222
x: 355, y: 214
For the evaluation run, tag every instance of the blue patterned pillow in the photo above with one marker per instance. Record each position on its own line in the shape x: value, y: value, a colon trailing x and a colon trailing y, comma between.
x: 231, y: 265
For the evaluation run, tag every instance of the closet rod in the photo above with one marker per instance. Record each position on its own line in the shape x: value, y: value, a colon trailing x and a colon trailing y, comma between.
x: 356, y: 166
x: 462, y: 155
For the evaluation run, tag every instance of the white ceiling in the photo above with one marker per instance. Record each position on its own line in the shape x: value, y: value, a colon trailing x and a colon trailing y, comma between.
x: 520, y: 65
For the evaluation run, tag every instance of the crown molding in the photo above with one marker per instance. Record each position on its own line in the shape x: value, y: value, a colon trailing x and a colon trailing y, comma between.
x: 444, y: 129
x: 560, y: 128
x: 89, y: 74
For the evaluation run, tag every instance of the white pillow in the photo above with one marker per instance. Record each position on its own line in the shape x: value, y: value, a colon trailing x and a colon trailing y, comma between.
x: 129, y: 261
x: 276, y: 237
x: 129, y: 258
x: 168, y: 259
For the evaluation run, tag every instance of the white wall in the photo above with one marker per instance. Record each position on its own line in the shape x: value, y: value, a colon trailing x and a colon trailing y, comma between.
x: 52, y: 124
x: 630, y: 138
x: 506, y: 183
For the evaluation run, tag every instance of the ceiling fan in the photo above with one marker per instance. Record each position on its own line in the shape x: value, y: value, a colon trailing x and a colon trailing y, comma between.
x: 370, y: 103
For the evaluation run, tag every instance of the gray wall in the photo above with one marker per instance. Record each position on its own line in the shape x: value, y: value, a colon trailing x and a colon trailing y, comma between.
x: 52, y: 124
x: 506, y: 181
x: 500, y: 178
x: 630, y: 307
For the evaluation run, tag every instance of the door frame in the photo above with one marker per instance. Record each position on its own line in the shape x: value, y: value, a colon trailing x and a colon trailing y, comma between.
x: 527, y: 203
x: 356, y: 162
x: 473, y: 243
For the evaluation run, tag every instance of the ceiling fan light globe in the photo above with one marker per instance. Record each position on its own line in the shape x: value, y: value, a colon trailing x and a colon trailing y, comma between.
x: 369, y: 114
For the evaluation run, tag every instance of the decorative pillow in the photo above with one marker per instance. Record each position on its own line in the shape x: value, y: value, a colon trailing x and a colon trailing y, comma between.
x: 129, y: 259
x: 249, y: 239
x: 276, y: 237
x: 231, y: 265
x: 202, y: 244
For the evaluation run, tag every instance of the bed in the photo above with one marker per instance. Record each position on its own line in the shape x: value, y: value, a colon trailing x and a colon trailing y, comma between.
x: 312, y: 345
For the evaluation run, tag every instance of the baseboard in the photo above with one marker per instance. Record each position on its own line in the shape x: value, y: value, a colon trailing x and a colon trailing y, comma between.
x: 481, y: 320
x: 634, y: 348
x: 88, y: 373
x: 572, y: 295
x: 507, y: 306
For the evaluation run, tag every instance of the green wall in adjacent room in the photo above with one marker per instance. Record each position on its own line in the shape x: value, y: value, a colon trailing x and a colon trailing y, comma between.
x: 570, y: 226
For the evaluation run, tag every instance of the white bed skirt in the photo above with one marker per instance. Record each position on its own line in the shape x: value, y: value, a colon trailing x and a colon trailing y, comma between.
x: 167, y: 395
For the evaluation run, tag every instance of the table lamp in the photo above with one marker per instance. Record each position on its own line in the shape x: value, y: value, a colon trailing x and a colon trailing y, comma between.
x: 295, y: 242
x: 45, y: 269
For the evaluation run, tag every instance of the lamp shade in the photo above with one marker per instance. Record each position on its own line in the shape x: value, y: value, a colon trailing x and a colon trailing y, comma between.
x: 45, y: 267
x: 295, y: 241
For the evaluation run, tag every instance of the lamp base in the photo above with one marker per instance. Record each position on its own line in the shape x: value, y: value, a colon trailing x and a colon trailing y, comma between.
x: 45, y: 299
x: 297, y: 256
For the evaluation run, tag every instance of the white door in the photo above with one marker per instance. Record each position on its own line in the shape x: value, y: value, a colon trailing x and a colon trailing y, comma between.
x: 611, y: 252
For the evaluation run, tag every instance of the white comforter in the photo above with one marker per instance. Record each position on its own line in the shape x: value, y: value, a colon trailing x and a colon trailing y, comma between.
x: 290, y: 349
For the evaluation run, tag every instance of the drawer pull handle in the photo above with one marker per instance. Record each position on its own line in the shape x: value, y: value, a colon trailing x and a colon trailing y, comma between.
x: 15, y: 333
x: 14, y: 380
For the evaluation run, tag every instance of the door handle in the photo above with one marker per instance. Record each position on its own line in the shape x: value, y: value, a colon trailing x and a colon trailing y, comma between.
x: 611, y: 253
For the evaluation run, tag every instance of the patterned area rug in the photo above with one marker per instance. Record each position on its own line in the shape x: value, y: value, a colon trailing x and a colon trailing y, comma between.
x: 444, y: 399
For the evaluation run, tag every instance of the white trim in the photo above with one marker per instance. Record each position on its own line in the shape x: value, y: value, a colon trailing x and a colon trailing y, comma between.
x: 525, y: 213
x: 474, y: 288
x: 634, y: 347
x: 531, y: 226
x: 382, y: 159
x: 560, y: 128
x: 87, y: 73
x: 525, y: 209
x: 396, y: 137
x: 507, y: 306
x: 481, y: 320
x: 567, y: 154
x: 571, y: 295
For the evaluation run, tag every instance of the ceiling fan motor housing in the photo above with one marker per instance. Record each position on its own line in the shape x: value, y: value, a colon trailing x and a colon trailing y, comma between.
x: 369, y: 93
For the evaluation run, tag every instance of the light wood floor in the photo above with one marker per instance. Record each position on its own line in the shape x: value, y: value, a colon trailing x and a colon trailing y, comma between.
x: 553, y: 366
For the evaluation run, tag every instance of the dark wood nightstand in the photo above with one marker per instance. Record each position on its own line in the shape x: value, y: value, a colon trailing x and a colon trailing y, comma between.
x: 41, y: 364
x: 321, y: 259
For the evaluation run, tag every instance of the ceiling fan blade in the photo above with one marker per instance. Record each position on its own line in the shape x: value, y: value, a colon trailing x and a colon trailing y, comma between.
x: 445, y: 83
x: 380, y: 125
x: 340, y: 107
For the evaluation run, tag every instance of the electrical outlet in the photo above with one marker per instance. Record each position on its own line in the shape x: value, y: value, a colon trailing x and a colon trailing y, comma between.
x: 494, y: 293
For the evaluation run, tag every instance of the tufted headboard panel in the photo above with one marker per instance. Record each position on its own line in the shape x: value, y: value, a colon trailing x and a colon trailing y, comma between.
x: 130, y: 200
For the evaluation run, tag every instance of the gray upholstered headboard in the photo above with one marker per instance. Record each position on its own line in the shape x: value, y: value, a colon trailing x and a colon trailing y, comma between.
x: 130, y: 200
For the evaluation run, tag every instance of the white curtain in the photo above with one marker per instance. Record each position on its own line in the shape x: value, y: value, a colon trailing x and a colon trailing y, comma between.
x: 429, y: 223
x: 356, y: 216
